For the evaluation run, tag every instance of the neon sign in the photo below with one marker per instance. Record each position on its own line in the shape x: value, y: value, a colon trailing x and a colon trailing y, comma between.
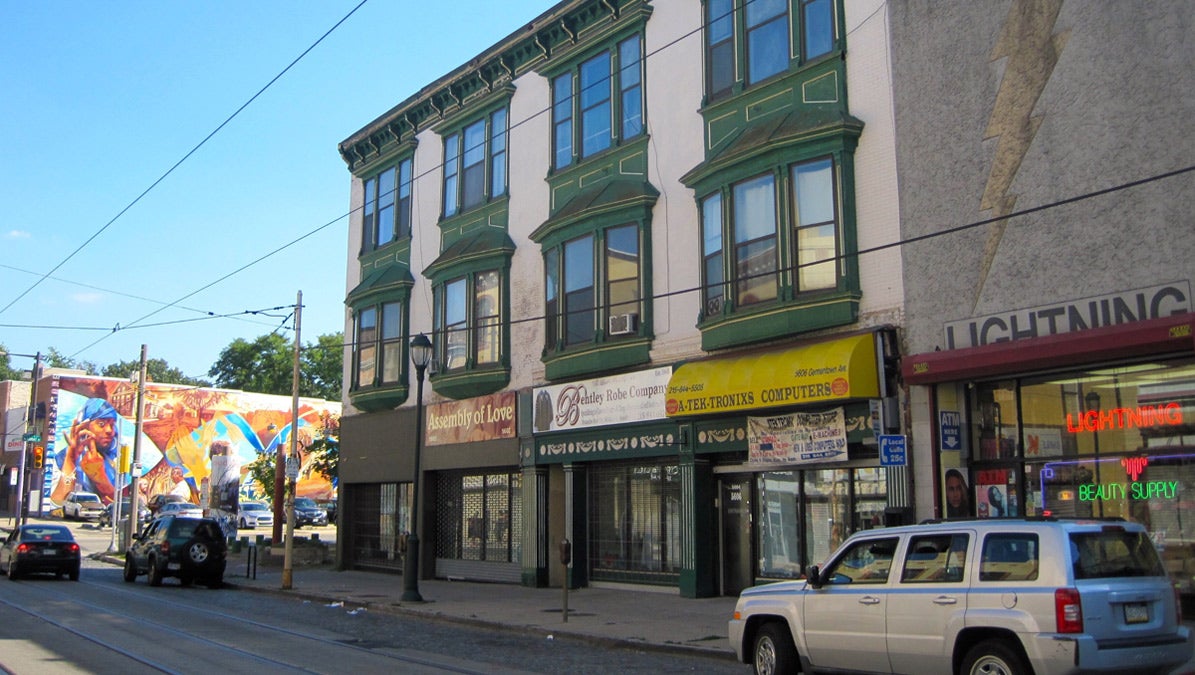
x: 1167, y: 414
x: 1135, y: 488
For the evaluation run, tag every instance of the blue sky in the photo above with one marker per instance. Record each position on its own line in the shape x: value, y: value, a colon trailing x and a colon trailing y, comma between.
x: 99, y: 99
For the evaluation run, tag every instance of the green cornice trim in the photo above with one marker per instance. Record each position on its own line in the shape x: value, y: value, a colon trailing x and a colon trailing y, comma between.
x: 558, y: 30
x: 386, y: 149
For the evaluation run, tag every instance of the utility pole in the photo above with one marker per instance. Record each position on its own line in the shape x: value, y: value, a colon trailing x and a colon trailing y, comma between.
x: 135, y: 474
x: 30, y: 426
x: 293, y: 455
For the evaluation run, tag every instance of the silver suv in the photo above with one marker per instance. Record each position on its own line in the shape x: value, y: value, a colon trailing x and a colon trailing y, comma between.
x: 1015, y: 597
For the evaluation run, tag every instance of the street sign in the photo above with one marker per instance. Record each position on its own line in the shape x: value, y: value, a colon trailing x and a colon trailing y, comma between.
x: 292, y: 468
x: 892, y: 451
x: 31, y: 438
x: 950, y: 428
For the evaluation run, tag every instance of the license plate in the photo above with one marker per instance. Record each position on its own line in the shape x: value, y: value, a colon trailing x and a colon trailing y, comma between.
x: 1136, y: 612
x: 49, y: 551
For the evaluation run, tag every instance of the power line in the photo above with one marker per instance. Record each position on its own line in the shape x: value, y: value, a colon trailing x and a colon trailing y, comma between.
x: 120, y: 293
x: 506, y: 133
x: 859, y: 253
x: 184, y: 158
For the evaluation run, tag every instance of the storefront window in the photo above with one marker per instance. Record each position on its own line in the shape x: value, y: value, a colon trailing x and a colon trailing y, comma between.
x: 827, y: 499
x: 635, y: 513
x: 1112, y: 442
x: 839, y: 502
x: 780, y: 525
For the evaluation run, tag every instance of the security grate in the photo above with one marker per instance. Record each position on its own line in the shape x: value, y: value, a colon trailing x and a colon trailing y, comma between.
x: 479, y: 516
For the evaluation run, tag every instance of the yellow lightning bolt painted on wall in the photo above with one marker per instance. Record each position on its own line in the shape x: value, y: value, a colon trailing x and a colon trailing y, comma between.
x: 1032, y: 49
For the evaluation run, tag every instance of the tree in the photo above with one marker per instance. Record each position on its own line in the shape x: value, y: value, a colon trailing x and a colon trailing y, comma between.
x: 261, y: 470
x: 7, y: 372
x: 323, y: 367
x: 324, y: 452
x: 263, y: 366
x: 156, y: 370
x: 266, y: 366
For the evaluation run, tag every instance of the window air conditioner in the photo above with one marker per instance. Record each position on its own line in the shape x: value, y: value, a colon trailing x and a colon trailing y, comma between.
x: 623, y: 324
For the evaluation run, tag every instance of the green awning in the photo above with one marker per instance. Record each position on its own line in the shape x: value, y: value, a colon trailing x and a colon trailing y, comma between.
x: 486, y: 242
x: 606, y: 196
x: 772, y: 133
x: 379, y: 280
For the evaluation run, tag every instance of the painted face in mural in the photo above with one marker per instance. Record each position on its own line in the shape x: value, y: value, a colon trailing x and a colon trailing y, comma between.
x: 102, y: 430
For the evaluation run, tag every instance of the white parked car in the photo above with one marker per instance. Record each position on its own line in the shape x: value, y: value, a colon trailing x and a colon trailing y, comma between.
x: 253, y: 515
x: 1007, y: 596
x: 181, y: 510
x: 82, y: 506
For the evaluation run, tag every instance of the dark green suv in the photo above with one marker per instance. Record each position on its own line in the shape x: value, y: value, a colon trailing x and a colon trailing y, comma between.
x: 191, y: 549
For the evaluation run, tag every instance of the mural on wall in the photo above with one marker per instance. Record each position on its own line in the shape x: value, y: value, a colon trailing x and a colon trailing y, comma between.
x: 192, y: 438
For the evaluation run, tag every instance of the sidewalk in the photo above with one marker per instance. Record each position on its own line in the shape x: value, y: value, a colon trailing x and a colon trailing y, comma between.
x: 639, y: 617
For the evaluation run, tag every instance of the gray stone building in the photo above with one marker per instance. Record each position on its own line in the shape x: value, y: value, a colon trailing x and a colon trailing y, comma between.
x: 1047, y: 191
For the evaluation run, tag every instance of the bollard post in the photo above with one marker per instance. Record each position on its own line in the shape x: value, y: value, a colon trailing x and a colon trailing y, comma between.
x: 566, y: 557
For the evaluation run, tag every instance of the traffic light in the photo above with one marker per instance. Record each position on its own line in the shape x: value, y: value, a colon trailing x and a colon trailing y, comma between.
x: 38, y: 453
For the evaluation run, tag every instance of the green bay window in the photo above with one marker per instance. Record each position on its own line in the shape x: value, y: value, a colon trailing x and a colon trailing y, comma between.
x: 387, y: 207
x: 749, y: 41
x: 378, y: 345
x: 602, y: 279
x: 760, y: 252
x: 366, y: 346
x: 754, y: 236
x: 468, y: 321
x: 475, y: 152
x: 816, y: 223
x: 598, y: 103
x: 579, y: 291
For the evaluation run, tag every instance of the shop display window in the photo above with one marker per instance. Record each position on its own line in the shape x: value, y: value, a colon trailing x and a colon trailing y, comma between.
x: 1107, y: 442
x: 836, y: 503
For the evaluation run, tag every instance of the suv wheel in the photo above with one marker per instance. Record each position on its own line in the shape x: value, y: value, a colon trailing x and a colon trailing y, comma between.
x: 130, y: 568
x: 197, y: 551
x: 155, y: 574
x: 993, y: 657
x: 774, y: 652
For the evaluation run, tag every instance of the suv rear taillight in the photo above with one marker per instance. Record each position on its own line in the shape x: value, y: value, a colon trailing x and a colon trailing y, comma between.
x: 1068, y: 610
x: 166, y: 547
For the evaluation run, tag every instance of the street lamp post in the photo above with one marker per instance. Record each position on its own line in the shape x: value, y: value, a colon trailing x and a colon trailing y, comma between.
x: 22, y: 508
x: 421, y: 354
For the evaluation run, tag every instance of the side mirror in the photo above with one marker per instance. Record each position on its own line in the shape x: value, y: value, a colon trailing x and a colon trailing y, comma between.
x: 814, y: 576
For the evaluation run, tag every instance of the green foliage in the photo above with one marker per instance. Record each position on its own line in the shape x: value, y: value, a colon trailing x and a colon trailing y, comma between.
x: 261, y: 470
x: 325, y: 450
x: 266, y: 366
x: 323, y: 367
x: 156, y: 370
x: 7, y: 372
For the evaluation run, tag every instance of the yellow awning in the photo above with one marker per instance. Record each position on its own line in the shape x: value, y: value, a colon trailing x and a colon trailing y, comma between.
x: 824, y: 372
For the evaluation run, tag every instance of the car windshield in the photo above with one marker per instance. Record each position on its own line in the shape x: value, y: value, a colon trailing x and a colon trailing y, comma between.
x: 46, y: 533
x: 305, y: 502
x: 87, y: 499
x: 253, y: 507
x: 1114, y: 552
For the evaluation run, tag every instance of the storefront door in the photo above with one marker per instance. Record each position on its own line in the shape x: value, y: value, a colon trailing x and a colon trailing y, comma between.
x: 736, y: 534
